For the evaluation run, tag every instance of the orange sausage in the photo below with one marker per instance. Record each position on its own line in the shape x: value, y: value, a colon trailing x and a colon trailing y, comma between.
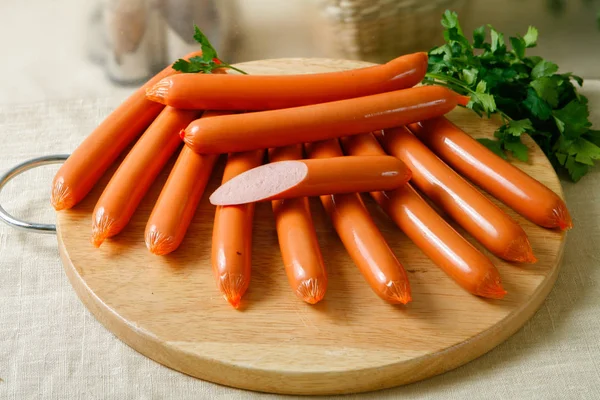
x: 178, y: 200
x: 297, y: 239
x: 458, y: 258
x: 300, y: 178
x: 232, y: 235
x: 278, y: 128
x: 361, y: 237
x: 498, y: 177
x: 135, y: 175
x: 487, y: 223
x: 90, y: 160
x: 265, y: 92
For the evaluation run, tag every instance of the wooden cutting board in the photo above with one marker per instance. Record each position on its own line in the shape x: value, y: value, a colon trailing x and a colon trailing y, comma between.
x: 169, y: 309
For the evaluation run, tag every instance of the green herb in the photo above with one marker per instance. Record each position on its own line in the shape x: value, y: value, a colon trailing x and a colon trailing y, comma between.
x: 207, y: 62
x: 527, y: 93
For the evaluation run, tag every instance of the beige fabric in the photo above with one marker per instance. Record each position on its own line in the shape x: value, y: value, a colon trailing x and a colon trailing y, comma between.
x: 52, y: 347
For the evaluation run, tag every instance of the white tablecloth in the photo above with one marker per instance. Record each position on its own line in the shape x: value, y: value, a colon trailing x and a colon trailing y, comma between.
x: 52, y: 347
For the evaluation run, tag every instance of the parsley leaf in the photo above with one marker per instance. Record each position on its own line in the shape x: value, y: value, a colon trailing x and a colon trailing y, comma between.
x: 518, y: 45
x: 516, y: 128
x: 593, y: 136
x: 494, y: 145
x: 543, y: 68
x: 527, y: 92
x: 469, y: 76
x: 450, y: 20
x: 479, y: 37
x: 531, y: 37
x: 574, y: 116
x: 538, y: 107
x: 518, y: 149
x: 585, y: 152
x: 497, y: 40
x: 207, y: 62
x: 546, y: 89
x: 186, y: 66
x: 576, y: 170
x: 208, y: 51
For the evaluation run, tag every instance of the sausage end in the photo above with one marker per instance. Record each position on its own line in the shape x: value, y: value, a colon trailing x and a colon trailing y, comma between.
x: 102, y: 227
x: 158, y: 243
x: 61, y: 197
x: 97, y: 240
x: 234, y: 301
x: 519, y: 250
x: 563, y: 217
x: 463, y: 100
x: 397, y: 292
x: 233, y: 287
x: 312, y: 290
x: 158, y: 92
x: 491, y: 286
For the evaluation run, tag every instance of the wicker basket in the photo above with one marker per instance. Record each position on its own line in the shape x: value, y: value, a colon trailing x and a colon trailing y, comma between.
x: 379, y: 30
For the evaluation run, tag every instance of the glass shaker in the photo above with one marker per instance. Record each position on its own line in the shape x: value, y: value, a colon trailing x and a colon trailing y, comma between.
x: 140, y: 37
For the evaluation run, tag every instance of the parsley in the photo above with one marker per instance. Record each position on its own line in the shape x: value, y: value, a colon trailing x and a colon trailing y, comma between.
x: 526, y: 92
x: 207, y: 62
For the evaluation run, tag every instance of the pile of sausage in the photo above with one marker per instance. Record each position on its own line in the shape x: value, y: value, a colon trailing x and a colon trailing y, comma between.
x: 331, y: 135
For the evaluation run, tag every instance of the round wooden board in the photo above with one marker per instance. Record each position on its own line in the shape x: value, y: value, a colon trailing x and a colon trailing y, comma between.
x: 169, y: 309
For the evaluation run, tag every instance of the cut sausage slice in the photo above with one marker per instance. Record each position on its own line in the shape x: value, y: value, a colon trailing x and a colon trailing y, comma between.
x: 299, y: 178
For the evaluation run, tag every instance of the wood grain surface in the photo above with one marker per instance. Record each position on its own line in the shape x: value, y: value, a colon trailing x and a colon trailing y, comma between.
x: 168, y: 308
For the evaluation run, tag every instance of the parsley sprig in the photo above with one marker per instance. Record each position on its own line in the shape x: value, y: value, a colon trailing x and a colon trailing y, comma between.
x: 526, y: 92
x: 207, y: 62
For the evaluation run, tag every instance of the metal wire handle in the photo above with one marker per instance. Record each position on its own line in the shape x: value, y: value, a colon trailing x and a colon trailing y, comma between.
x: 17, y: 170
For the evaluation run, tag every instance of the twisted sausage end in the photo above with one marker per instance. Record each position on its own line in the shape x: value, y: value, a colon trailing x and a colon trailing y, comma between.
x: 397, y: 292
x: 563, y: 217
x: 61, y: 197
x: 491, y: 286
x: 312, y: 290
x: 519, y: 250
x: 159, y: 243
x: 233, y: 287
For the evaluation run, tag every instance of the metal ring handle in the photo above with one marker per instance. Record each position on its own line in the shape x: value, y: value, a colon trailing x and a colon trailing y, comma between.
x: 17, y: 170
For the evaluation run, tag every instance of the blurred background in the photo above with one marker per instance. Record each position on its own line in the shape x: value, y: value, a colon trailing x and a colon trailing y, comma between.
x: 57, y: 49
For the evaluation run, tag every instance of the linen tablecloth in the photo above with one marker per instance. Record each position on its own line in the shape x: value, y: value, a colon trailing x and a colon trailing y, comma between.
x: 51, y: 347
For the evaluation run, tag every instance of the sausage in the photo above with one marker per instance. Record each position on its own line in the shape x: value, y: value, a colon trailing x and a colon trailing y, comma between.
x: 178, y: 200
x: 231, y: 252
x: 504, y: 181
x: 278, y: 128
x: 298, y: 243
x: 362, y: 239
x: 90, y: 160
x: 485, y: 221
x: 266, y: 92
x: 300, y: 178
x: 458, y: 258
x: 137, y: 172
